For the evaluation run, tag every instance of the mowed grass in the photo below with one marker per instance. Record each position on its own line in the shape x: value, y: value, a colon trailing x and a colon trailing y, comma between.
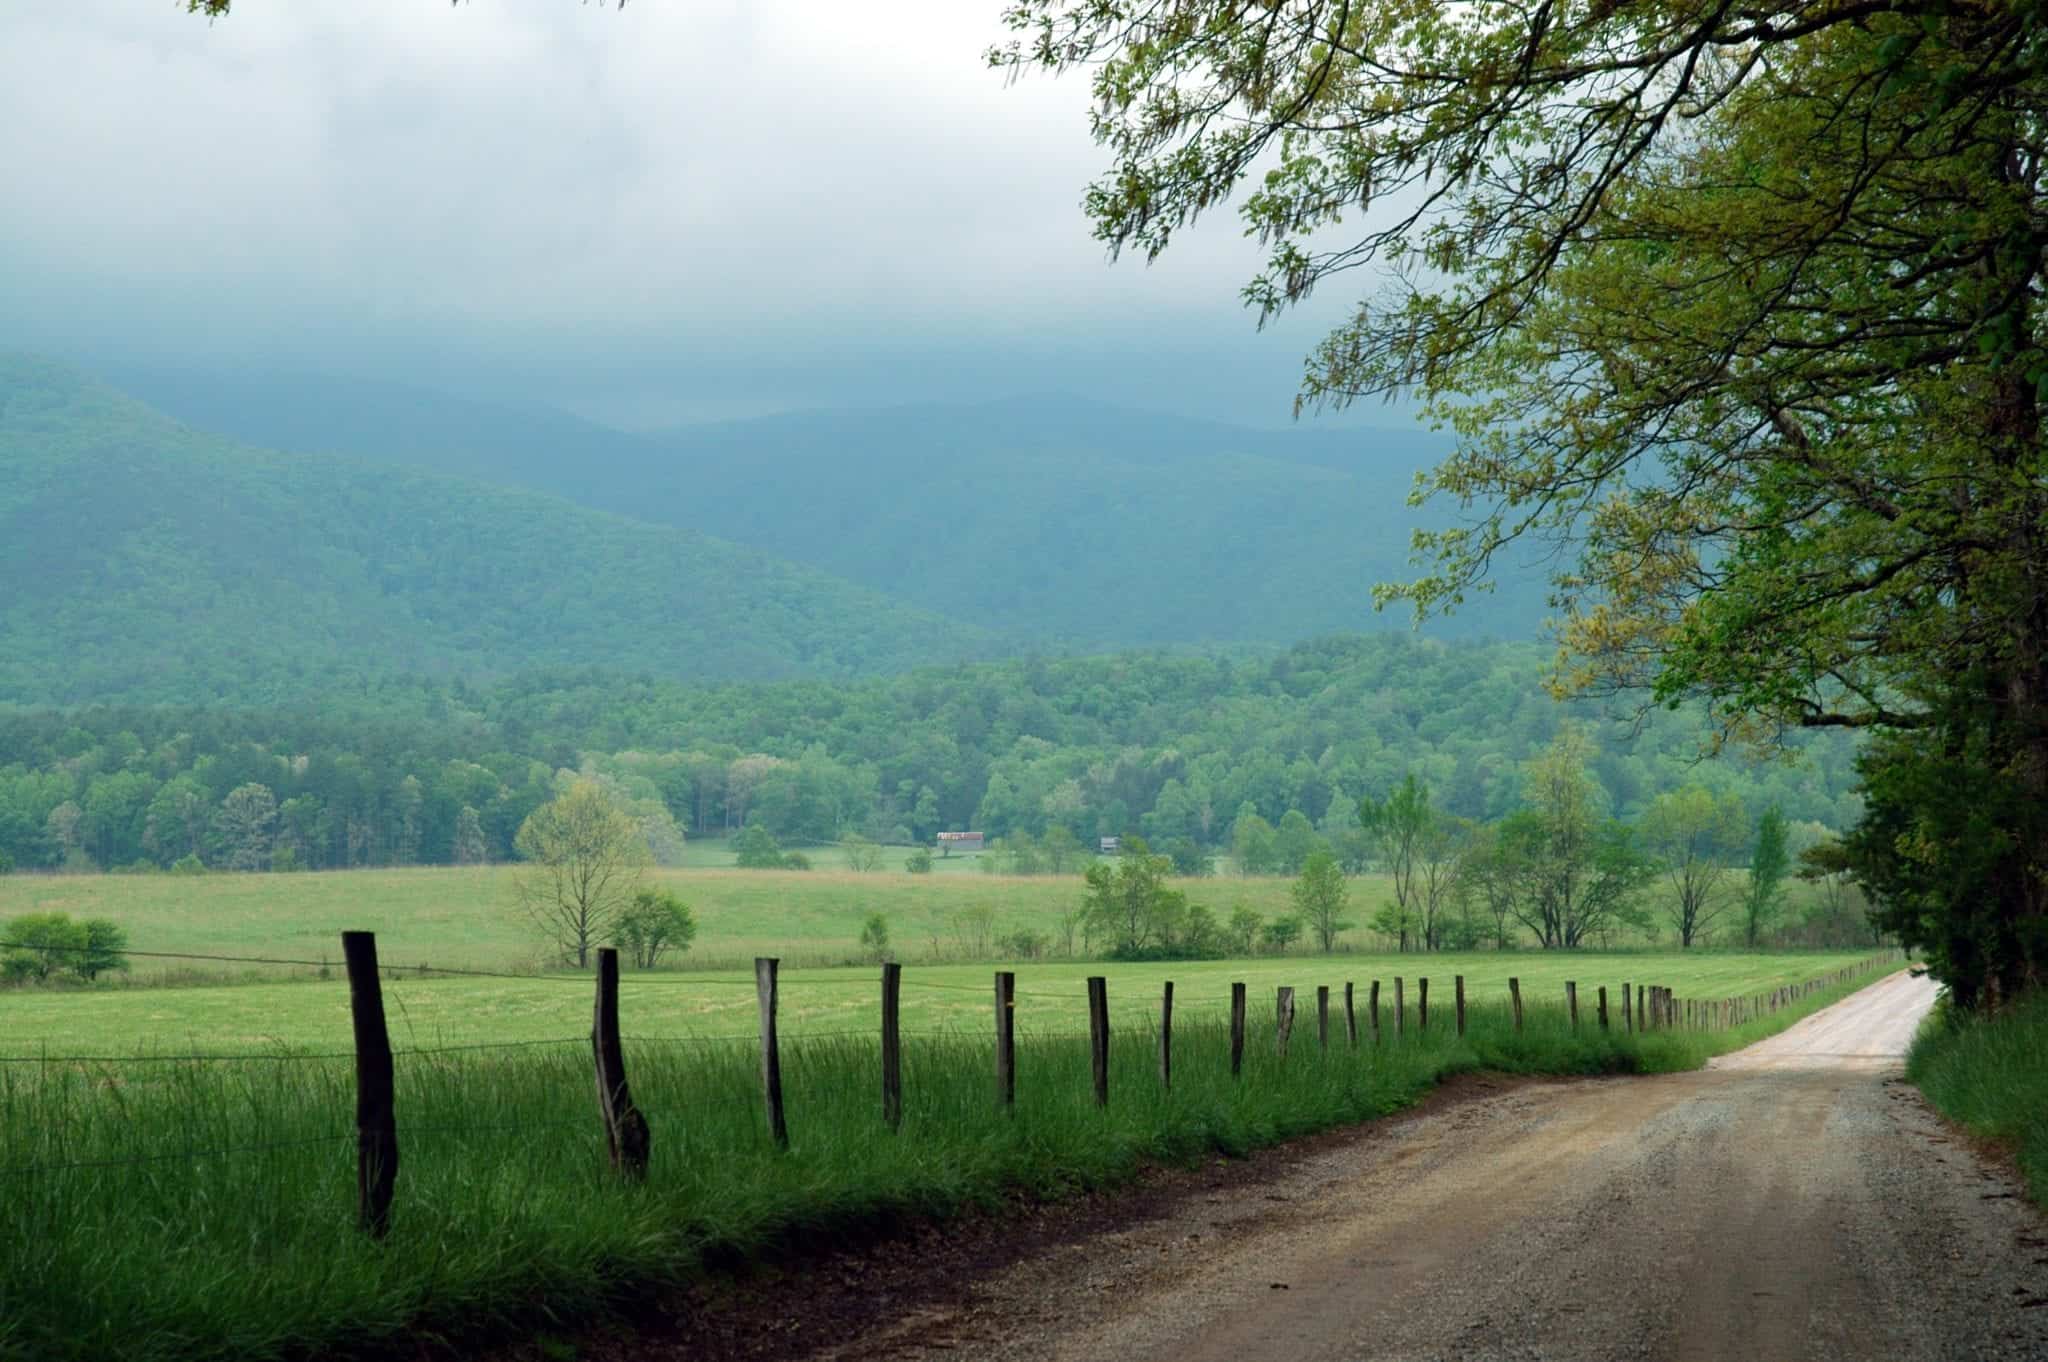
x: 472, y: 918
x: 204, y: 1210
x: 312, y: 1015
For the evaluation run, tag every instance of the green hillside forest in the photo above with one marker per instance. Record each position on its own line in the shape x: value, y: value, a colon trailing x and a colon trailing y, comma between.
x: 148, y: 561
x: 1048, y: 520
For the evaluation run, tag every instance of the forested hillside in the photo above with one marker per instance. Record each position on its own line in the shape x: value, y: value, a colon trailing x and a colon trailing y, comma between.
x: 1046, y: 520
x: 1172, y: 746
x: 144, y: 560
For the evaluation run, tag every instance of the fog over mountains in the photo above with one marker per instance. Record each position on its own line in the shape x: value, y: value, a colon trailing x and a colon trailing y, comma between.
x: 244, y: 538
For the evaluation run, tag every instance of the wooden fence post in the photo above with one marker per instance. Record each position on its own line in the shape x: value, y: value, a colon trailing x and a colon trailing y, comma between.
x: 1422, y: 1004
x: 1236, y: 1029
x: 625, y: 1129
x: 1400, y: 1010
x: 1006, y: 1039
x: 1515, y: 994
x: 1283, y: 1020
x: 1458, y: 992
x: 1098, y: 1035
x: 1374, y: 1005
x: 1350, y: 1016
x: 1571, y: 1001
x: 1166, y: 1037
x: 771, y: 1050
x: 376, y: 1123
x: 892, y: 1045
x: 1322, y: 1016
x: 1628, y: 1016
x: 1603, y: 1007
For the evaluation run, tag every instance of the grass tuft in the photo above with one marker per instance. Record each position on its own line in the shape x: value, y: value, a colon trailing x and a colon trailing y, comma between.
x: 1991, y: 1076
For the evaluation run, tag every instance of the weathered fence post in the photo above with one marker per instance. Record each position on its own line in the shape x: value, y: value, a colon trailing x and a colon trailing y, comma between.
x: 1400, y: 1010
x: 1166, y: 1037
x: 1603, y: 1007
x: 1373, y: 1004
x: 1422, y: 1004
x: 1628, y: 1016
x: 1571, y: 1001
x: 1283, y: 1021
x: 1006, y: 1039
x: 892, y: 1045
x: 771, y: 1050
x: 1515, y: 995
x: 1098, y: 1035
x: 1350, y: 1016
x: 1458, y: 992
x: 376, y: 1122
x: 625, y: 1130
x: 1236, y: 1029
x: 1322, y: 1016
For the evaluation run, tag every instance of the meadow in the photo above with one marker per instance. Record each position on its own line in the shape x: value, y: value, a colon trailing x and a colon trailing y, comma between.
x: 442, y: 919
x: 469, y: 917
x: 182, y: 1209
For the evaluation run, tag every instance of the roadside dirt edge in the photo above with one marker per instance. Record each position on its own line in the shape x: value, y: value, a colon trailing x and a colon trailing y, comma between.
x: 820, y: 1291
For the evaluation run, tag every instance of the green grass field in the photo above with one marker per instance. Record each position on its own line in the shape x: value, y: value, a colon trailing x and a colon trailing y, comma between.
x: 470, y: 917
x: 203, y: 1210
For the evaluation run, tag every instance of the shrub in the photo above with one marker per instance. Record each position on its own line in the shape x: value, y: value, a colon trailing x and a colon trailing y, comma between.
x: 874, y: 937
x: 795, y: 860
x: 919, y: 861
x: 188, y: 864
x: 655, y: 921
x: 756, y: 848
x: 38, y: 945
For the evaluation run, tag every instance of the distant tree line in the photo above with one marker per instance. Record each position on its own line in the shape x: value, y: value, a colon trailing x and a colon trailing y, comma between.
x: 1257, y: 760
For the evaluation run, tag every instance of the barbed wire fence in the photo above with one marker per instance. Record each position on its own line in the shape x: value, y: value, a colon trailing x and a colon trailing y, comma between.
x: 1644, y: 1008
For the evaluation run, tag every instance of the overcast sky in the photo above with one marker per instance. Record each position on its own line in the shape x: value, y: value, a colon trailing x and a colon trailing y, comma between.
x: 683, y: 210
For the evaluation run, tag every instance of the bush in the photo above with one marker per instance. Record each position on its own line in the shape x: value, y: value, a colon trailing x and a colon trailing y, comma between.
x: 655, y: 922
x: 1025, y: 945
x: 188, y: 864
x: 106, y: 945
x: 38, y: 945
x: 756, y: 848
x: 795, y: 860
x: 1280, y: 933
x: 874, y: 937
x: 919, y: 861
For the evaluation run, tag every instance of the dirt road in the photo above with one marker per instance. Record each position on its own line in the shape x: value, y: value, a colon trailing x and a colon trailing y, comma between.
x: 1795, y: 1201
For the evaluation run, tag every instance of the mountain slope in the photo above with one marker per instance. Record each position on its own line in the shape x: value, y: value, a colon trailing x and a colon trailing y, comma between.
x: 1046, y: 520
x: 145, y: 560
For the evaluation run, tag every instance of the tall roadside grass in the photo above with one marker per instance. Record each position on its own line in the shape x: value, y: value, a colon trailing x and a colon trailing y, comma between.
x: 204, y: 1210
x: 1991, y: 1075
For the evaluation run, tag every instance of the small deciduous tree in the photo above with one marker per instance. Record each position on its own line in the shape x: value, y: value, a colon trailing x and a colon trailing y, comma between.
x: 1280, y: 933
x: 1694, y: 836
x: 1243, y: 927
x: 1319, y: 898
x: 1768, y: 863
x: 862, y: 855
x: 918, y: 862
x: 584, y: 856
x: 245, y: 825
x: 36, y: 946
x: 653, y: 924
x: 470, y: 848
x: 1129, y: 905
x: 756, y: 848
x: 874, y: 937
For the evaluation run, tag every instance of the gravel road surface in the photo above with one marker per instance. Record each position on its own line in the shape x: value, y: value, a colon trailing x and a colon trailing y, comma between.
x: 1795, y: 1201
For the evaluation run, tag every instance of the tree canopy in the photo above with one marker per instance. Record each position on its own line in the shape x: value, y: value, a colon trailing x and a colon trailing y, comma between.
x: 1737, y: 304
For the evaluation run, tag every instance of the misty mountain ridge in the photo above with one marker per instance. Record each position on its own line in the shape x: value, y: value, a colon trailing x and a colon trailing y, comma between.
x: 146, y: 560
x: 1048, y: 521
